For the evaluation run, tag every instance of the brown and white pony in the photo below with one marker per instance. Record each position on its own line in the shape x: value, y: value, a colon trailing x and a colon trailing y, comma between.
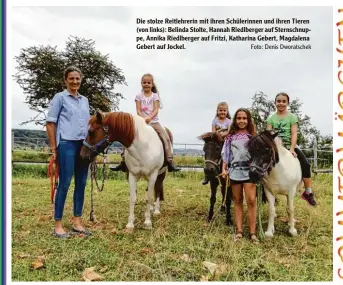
x: 144, y: 154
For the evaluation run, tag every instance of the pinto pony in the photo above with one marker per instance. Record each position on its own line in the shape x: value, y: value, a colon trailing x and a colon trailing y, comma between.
x: 144, y: 154
x: 213, y: 165
x: 279, y: 172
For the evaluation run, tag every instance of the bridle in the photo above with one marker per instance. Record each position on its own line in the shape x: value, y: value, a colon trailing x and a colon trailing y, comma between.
x: 217, y: 162
x: 101, y: 147
x: 266, y: 167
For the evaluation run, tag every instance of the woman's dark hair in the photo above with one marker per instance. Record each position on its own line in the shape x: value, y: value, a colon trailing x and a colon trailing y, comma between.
x: 69, y: 69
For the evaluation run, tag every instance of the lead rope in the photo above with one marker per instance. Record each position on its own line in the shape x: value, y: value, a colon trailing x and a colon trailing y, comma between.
x: 227, y: 182
x: 260, y: 190
x: 94, y: 168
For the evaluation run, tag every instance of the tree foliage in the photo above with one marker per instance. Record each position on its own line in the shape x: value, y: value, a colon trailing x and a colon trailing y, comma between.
x: 262, y: 107
x: 40, y: 75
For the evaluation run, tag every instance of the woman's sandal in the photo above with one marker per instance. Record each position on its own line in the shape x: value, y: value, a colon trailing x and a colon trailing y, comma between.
x: 254, y: 238
x: 238, y: 236
x: 84, y: 232
x: 61, y: 236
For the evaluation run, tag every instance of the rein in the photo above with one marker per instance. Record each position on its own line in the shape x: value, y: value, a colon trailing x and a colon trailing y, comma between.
x: 227, y: 183
x: 259, y: 190
x: 94, y: 166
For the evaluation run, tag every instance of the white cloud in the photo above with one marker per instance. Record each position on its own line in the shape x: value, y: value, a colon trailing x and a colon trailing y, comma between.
x: 194, y: 80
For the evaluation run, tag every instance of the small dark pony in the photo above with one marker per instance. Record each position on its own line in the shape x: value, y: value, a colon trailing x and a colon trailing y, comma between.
x: 213, y: 165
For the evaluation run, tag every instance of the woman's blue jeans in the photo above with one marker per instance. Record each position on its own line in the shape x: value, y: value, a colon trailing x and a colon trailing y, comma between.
x: 69, y: 163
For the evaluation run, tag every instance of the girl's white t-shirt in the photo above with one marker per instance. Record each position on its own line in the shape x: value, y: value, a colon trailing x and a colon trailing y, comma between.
x: 147, y: 105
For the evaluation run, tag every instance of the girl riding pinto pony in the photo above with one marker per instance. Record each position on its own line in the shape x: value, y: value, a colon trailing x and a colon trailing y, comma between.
x: 147, y: 106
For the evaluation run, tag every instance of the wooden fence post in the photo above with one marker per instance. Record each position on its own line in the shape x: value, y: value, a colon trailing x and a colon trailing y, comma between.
x: 315, y: 153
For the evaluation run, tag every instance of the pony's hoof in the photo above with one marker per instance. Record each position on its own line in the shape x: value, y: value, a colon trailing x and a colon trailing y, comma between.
x: 293, y: 232
x: 268, y: 234
x: 229, y: 223
x: 129, y: 228
x: 157, y: 213
x: 147, y: 225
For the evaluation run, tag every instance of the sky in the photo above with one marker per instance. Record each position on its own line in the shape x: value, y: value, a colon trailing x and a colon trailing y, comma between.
x: 193, y: 81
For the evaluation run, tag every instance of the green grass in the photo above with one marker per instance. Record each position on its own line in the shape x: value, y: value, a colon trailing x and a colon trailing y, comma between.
x: 181, y: 229
x: 34, y: 156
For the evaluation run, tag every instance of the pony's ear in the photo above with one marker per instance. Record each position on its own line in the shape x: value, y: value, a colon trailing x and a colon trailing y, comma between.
x: 274, y: 133
x: 99, y: 116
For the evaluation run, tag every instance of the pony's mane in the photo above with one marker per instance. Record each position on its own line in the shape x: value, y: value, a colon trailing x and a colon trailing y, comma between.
x: 278, y: 142
x: 120, y: 127
x: 211, y: 135
x: 264, y: 138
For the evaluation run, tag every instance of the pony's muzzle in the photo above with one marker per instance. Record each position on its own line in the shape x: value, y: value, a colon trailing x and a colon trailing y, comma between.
x: 254, y: 175
x: 84, y: 153
x: 210, y: 172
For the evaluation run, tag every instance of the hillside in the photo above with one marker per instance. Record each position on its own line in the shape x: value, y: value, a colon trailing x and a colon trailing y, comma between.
x: 36, y: 139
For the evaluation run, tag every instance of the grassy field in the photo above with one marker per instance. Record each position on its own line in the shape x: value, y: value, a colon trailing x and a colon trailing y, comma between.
x: 178, y: 244
x: 34, y: 156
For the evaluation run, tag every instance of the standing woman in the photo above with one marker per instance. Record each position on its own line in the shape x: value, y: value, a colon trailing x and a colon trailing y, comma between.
x: 67, y: 126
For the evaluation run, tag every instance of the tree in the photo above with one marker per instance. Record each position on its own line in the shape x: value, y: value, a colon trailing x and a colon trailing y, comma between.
x: 40, y: 75
x: 262, y: 107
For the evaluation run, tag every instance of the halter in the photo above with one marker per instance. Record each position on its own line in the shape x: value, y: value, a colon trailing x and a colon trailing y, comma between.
x: 269, y: 166
x: 95, y: 148
x: 217, y: 164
